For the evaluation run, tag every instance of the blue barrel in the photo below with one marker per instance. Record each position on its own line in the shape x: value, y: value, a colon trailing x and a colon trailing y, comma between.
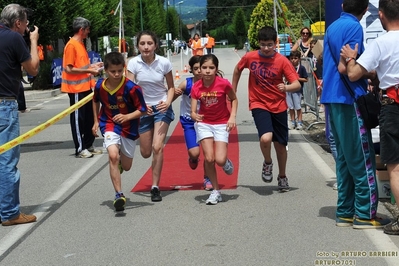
x: 333, y: 10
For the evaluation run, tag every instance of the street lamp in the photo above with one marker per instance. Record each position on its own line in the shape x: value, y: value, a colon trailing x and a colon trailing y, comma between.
x: 180, y: 26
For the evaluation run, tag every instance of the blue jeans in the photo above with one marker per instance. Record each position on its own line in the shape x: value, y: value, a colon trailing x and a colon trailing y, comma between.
x: 9, y: 177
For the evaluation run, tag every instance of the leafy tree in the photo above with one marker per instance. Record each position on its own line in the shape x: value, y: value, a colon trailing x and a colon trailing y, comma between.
x: 239, y: 27
x: 263, y: 15
x: 49, y: 29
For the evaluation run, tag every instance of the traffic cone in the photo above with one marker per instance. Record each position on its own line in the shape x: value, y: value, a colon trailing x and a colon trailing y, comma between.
x: 177, y: 76
x: 185, y: 69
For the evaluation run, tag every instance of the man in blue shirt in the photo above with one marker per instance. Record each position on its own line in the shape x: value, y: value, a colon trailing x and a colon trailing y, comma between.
x: 355, y: 164
x: 14, y: 53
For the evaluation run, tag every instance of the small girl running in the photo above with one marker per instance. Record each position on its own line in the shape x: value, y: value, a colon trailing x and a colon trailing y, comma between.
x: 214, y: 120
x: 186, y: 122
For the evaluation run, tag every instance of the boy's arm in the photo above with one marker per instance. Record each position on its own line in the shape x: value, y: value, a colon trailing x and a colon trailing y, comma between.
x: 231, y: 124
x: 96, y: 108
x: 236, y: 78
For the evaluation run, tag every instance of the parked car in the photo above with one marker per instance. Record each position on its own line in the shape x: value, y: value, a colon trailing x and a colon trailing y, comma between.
x: 285, y: 44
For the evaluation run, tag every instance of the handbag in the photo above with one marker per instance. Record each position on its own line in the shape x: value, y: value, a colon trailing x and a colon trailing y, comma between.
x: 369, y: 104
x: 369, y: 107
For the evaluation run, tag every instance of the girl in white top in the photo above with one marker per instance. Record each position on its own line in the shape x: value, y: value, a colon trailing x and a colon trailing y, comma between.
x: 149, y: 71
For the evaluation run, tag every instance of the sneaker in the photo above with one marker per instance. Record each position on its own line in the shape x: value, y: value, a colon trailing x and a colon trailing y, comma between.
x: 156, y: 194
x: 343, y: 221
x: 392, y: 228
x: 214, y: 198
x: 293, y: 125
x: 207, y: 184
x: 94, y: 150
x: 267, y: 172
x: 193, y: 163
x: 22, y: 218
x: 299, y: 126
x: 228, y: 167
x: 335, y: 186
x: 84, y: 154
x: 283, y: 184
x: 120, y: 167
x: 119, y: 202
x: 370, y: 224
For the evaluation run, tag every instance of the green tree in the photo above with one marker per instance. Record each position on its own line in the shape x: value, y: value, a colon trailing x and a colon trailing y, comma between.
x: 263, y: 15
x: 239, y: 28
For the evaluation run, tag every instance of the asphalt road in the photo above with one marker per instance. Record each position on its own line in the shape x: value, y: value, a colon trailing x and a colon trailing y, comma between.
x: 255, y: 225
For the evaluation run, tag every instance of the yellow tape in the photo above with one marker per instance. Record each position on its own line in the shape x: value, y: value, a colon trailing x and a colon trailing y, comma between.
x: 53, y: 120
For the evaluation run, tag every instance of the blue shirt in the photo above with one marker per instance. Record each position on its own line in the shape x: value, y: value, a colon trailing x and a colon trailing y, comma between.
x: 345, y: 30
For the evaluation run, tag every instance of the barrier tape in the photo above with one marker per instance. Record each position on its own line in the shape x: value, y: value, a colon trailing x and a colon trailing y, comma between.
x: 12, y: 143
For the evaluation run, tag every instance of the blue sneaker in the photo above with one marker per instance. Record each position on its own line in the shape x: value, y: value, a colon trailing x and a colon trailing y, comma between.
x: 228, y: 167
x: 207, y: 184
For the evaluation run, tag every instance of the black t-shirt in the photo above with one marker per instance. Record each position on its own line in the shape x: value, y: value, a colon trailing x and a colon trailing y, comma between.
x: 13, y: 52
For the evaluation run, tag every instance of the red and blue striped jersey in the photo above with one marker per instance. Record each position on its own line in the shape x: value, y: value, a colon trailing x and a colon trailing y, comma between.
x: 125, y: 99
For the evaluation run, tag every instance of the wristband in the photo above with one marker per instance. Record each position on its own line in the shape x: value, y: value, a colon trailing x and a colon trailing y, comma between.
x: 347, y: 60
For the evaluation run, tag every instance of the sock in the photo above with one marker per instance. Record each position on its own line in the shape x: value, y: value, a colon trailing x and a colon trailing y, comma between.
x: 154, y: 187
x: 118, y: 194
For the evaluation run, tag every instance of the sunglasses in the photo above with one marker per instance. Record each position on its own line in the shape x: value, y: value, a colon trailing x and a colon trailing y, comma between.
x: 305, y: 33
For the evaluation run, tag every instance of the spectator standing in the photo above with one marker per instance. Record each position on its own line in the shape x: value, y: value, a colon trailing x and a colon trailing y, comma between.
x: 197, y: 47
x: 382, y: 55
x: 14, y: 53
x: 294, y: 98
x: 355, y: 163
x: 303, y: 43
x: 213, y: 120
x: 267, y: 98
x: 149, y: 71
x: 210, y: 44
x: 176, y: 45
x: 122, y: 105
x: 78, y: 81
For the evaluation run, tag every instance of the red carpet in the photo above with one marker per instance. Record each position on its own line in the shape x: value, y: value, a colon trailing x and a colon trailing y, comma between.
x: 177, y: 174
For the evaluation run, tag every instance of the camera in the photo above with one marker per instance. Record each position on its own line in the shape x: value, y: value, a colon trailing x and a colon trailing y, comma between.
x: 31, y: 27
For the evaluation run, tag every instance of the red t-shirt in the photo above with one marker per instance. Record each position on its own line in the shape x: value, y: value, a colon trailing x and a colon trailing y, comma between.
x: 213, y: 103
x: 265, y: 74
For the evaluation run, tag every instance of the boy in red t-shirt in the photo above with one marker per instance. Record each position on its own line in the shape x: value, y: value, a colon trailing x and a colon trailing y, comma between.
x: 267, y: 100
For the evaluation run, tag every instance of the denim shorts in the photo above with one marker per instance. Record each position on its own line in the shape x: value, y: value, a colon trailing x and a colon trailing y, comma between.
x: 389, y: 133
x: 275, y: 123
x: 147, y: 121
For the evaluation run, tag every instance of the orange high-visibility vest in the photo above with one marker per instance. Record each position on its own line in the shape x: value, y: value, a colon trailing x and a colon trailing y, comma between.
x: 75, y: 54
x: 211, y: 42
x: 198, y: 45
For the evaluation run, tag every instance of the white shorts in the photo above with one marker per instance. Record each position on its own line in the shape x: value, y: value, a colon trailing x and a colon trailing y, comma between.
x: 294, y: 100
x: 127, y: 146
x: 217, y: 132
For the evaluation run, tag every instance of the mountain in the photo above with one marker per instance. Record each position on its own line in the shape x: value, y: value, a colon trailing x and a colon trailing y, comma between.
x: 191, y: 11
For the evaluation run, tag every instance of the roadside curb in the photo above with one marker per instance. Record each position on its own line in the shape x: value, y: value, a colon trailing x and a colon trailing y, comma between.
x: 41, y: 94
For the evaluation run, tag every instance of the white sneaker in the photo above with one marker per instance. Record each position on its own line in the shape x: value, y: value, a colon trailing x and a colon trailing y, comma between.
x: 228, y: 167
x: 214, y: 198
x: 94, y: 150
x: 335, y: 186
x: 267, y: 172
x: 84, y: 154
x: 299, y: 126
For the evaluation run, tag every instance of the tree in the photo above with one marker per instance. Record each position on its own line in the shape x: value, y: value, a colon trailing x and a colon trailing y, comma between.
x: 239, y: 28
x: 263, y: 15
